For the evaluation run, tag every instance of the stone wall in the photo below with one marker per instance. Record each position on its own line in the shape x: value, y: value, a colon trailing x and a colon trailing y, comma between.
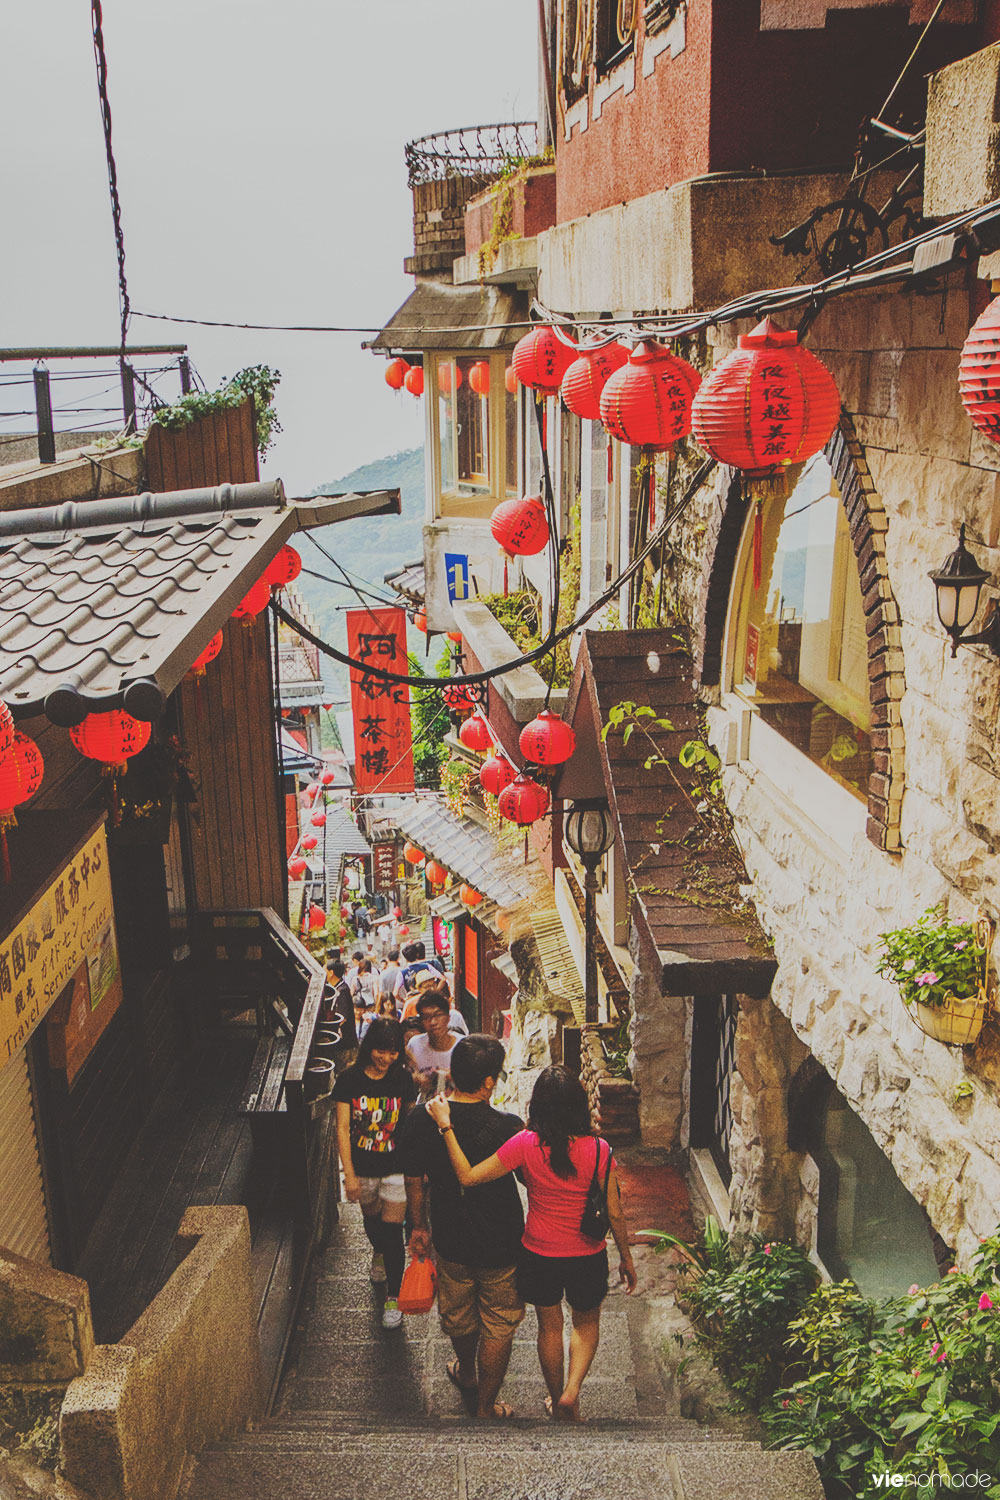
x: 895, y: 358
x: 439, y: 225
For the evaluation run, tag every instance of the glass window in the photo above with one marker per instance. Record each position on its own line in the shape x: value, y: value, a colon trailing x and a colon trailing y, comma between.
x: 510, y: 435
x: 463, y: 411
x: 801, y: 649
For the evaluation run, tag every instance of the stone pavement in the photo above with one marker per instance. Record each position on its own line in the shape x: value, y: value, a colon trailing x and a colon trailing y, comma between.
x: 364, y: 1411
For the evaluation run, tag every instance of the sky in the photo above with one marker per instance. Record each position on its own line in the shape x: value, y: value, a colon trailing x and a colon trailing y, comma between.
x: 260, y: 167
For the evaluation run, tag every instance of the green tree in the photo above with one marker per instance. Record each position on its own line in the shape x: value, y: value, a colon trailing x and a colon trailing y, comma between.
x: 429, y: 717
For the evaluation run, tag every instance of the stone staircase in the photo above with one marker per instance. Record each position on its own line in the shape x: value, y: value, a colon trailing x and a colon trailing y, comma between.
x: 366, y: 1413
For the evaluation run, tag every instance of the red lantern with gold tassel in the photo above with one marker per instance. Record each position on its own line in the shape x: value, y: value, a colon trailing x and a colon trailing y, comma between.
x: 647, y: 404
x: 475, y: 734
x: 112, y: 738
x: 435, y: 873
x: 521, y: 528
x: 547, y: 740
x: 769, y: 405
x: 21, y: 772
x: 479, y: 377
x: 524, y: 801
x: 254, y: 602
x: 541, y: 359
x: 495, y: 773
x: 199, y: 666
x: 585, y: 379
x: 395, y: 373
x: 414, y: 381
x: 284, y: 568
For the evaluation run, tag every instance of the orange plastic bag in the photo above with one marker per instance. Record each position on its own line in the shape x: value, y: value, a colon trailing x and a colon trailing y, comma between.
x: 419, y: 1288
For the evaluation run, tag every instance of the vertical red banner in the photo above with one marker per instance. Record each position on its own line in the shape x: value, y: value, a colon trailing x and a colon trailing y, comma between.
x: 383, y: 738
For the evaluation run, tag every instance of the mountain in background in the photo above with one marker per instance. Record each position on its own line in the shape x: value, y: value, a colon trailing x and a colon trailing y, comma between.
x: 367, y: 549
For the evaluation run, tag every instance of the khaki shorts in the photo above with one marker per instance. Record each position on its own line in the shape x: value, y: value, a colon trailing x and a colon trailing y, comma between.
x: 478, y: 1301
x: 378, y: 1192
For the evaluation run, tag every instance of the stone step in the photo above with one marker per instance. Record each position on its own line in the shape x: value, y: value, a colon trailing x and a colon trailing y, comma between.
x: 308, y: 1428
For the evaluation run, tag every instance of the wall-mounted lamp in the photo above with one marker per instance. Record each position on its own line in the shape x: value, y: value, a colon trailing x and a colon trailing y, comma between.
x: 958, y: 584
x: 590, y: 833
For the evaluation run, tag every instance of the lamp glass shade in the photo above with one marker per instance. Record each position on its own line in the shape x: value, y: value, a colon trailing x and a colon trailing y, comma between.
x: 589, y: 833
x: 958, y: 584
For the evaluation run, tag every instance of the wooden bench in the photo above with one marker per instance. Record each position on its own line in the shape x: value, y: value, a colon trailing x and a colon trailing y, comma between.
x: 264, y: 1095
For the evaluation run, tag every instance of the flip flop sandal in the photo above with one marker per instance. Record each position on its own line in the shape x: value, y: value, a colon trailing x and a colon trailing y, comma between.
x: 451, y: 1370
x: 502, y: 1410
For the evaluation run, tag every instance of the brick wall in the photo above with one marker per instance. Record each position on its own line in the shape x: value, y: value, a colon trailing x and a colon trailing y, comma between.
x: 439, y: 224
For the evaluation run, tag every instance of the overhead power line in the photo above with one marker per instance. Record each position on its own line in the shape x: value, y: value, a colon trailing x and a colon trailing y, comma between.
x: 116, y: 207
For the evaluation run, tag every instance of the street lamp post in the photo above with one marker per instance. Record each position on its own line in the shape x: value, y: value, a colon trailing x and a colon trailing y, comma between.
x: 590, y: 834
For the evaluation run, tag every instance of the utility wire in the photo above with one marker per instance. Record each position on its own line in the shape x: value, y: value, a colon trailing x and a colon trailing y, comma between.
x: 116, y: 207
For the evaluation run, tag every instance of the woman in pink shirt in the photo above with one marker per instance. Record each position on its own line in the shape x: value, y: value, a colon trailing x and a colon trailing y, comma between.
x: 557, y: 1155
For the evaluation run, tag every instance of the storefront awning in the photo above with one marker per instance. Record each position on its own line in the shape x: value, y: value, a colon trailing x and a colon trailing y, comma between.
x: 686, y: 874
x: 106, y: 603
x: 437, y: 315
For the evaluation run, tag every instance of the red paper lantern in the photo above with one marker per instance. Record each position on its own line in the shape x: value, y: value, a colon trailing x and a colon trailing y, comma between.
x: 253, y: 603
x: 456, y: 636
x: 313, y: 790
x: 541, y: 359
x: 436, y: 873
x: 767, y: 405
x: 458, y: 698
x: 317, y: 918
x: 979, y: 373
x: 6, y: 728
x: 414, y: 381
x: 479, y: 377
x: 587, y: 376
x: 200, y: 664
x: 297, y: 868
x: 495, y: 773
x: 328, y: 778
x: 112, y: 738
x: 647, y: 403
x: 469, y: 896
x: 318, y: 819
x: 327, y: 707
x: 547, y: 740
x: 283, y: 568
x: 521, y: 526
x: 445, y: 373
x: 309, y: 842
x: 413, y: 855
x: 397, y: 912
x: 403, y: 931
x: 510, y: 380
x: 475, y: 734
x: 524, y: 801
x: 21, y: 772
x: 420, y: 621
x: 395, y: 373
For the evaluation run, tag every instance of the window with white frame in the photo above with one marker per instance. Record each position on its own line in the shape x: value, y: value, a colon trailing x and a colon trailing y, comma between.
x: 474, y: 428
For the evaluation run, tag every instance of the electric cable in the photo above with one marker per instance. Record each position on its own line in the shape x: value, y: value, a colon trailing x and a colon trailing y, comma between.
x: 116, y: 207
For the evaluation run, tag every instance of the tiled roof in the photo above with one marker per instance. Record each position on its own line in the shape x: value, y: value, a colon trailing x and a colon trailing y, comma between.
x: 438, y: 315
x: 467, y: 849
x: 686, y: 876
x: 409, y: 581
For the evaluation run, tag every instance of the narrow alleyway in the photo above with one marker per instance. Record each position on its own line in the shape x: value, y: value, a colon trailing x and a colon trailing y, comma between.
x: 365, y: 1412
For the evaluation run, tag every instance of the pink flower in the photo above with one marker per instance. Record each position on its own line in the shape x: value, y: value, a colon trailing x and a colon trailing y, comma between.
x: 942, y: 1356
x: 963, y: 944
x: 952, y: 1270
x: 927, y: 978
x: 935, y: 1348
x: 784, y: 1403
x: 914, y: 1289
x: 985, y: 1302
x: 916, y: 1372
x: 767, y: 1249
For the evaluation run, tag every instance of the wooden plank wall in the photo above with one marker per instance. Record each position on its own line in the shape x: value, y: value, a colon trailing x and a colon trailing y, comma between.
x: 217, y: 449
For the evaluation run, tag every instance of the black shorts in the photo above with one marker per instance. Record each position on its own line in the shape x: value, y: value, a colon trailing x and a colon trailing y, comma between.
x: 544, y: 1280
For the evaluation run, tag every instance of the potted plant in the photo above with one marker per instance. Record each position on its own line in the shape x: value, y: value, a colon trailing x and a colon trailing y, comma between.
x: 942, y: 971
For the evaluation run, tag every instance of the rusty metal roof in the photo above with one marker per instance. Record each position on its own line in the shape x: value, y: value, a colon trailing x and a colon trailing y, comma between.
x: 437, y: 315
x: 686, y: 872
x: 464, y: 846
x: 106, y: 603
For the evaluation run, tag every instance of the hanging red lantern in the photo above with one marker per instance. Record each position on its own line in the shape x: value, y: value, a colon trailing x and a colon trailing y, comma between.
x: 510, y: 380
x: 547, y: 740
x: 413, y: 855
x: 317, y: 918
x: 403, y: 931
x: 200, y: 664
x: 455, y: 636
x: 475, y: 734
x: 309, y: 842
x: 587, y: 376
x: 297, y: 868
x: 327, y: 707
x: 468, y: 895
x: 647, y: 403
x: 495, y: 773
x: 395, y: 373
x: 318, y: 819
x: 435, y: 873
x: 459, y: 699
x: 328, y: 778
x: 112, y: 738
x: 312, y: 790
x: 284, y: 568
x: 397, y: 912
x: 769, y: 404
x: 979, y: 373
x: 6, y: 728
x: 445, y: 373
x: 253, y: 603
x: 420, y: 621
x: 541, y: 359
x: 414, y: 381
x: 524, y: 801
x: 521, y: 527
x: 21, y: 772
x: 479, y: 377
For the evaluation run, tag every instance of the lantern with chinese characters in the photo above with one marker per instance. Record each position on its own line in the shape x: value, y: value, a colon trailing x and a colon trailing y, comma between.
x: 396, y: 372
x: 420, y: 621
x: 21, y: 772
x: 254, y: 602
x: 435, y: 873
x: 524, y: 801
x: 541, y: 359
x: 585, y: 379
x: 317, y: 918
x: 459, y: 698
x: 112, y: 738
x: 413, y: 855
x: 510, y: 380
x: 521, y: 526
x: 647, y: 403
x: 318, y: 819
x: 547, y: 740
x: 495, y: 773
x: 199, y: 666
x: 475, y: 734
x: 6, y: 728
x: 310, y: 842
x: 284, y: 568
x: 468, y: 895
x: 479, y: 377
x: 297, y: 868
x: 414, y: 381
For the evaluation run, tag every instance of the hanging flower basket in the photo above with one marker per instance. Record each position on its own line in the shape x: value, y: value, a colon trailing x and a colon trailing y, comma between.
x: 942, y: 971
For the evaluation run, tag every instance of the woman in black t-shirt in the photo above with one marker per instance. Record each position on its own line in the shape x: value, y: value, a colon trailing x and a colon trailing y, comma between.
x: 372, y: 1098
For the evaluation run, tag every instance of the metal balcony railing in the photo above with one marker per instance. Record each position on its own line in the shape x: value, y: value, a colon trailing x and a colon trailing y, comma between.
x: 480, y: 152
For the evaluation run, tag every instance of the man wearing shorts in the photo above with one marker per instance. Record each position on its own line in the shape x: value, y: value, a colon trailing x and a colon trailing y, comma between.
x: 476, y: 1233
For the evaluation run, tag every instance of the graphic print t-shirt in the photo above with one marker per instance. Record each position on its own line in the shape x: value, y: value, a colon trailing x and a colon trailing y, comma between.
x: 377, y: 1105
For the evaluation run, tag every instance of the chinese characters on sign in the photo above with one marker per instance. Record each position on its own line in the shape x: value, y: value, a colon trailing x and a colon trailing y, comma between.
x: 70, y: 927
x: 385, y: 866
x: 383, y: 745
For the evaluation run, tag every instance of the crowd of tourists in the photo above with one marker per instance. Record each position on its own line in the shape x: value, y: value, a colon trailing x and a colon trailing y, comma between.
x: 422, y: 1146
